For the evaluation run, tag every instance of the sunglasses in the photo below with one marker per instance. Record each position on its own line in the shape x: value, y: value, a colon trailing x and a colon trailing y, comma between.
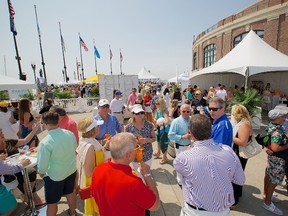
x: 214, y: 108
x: 105, y: 106
x: 184, y: 111
x: 140, y: 113
x: 157, y: 103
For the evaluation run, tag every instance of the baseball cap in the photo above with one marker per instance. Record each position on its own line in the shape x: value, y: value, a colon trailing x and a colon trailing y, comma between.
x: 276, y: 113
x: 137, y: 109
x: 103, y: 102
x: 94, y: 124
x: 118, y: 93
x: 198, y: 92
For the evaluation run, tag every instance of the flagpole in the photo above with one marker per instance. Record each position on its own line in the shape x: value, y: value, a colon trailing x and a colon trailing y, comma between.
x: 95, y: 57
x: 82, y: 67
x: 40, y: 43
x: 110, y: 59
x: 77, y: 67
x: 120, y: 62
x: 63, y: 54
x: 17, y: 57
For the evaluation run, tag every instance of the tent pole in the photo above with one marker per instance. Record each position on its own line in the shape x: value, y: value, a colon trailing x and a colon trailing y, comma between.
x: 246, y: 77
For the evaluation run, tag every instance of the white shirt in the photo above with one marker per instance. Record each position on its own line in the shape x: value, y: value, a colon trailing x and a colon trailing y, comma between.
x: 222, y: 94
x: 116, y: 105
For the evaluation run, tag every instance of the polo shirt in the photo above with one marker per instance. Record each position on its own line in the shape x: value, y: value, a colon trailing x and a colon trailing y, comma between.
x: 222, y: 131
x: 56, y: 154
x: 118, y: 192
x: 69, y: 124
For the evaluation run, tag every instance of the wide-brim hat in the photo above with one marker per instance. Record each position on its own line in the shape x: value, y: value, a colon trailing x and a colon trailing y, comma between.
x: 276, y: 113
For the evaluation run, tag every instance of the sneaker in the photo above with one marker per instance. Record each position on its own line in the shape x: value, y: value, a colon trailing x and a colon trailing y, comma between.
x: 272, y: 208
x: 274, y: 199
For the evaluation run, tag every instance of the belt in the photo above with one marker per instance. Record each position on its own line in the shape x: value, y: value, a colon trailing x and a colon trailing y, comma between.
x: 193, y: 207
x: 177, y: 145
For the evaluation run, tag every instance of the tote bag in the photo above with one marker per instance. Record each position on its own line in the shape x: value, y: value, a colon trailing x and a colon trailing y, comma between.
x: 252, y: 149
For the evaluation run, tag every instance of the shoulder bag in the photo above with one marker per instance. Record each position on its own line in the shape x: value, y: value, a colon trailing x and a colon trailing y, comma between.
x: 251, y: 149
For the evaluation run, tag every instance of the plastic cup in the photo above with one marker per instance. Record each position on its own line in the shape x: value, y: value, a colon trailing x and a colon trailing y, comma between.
x: 140, y: 137
x: 107, y: 136
x: 139, y: 154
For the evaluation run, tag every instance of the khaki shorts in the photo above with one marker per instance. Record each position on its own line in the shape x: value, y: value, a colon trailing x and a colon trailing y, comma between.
x: 119, y: 117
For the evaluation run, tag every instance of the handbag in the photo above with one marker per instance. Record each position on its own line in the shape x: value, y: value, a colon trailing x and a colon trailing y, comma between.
x: 11, y: 184
x: 251, y: 149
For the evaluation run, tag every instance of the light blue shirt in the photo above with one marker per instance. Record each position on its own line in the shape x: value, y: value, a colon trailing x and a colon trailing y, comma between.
x: 57, y: 154
x: 110, y: 126
x: 179, y: 127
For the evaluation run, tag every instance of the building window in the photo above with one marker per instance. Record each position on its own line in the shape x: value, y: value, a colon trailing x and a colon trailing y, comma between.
x: 195, y: 61
x: 240, y: 37
x: 209, y: 55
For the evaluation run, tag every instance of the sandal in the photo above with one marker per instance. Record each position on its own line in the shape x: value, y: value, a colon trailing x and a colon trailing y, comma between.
x: 272, y: 208
x: 156, y: 155
x: 163, y: 161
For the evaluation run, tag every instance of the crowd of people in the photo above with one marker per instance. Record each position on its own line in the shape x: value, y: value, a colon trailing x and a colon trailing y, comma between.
x: 113, y: 157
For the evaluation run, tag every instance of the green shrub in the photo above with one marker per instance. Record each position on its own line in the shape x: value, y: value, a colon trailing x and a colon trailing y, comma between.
x: 28, y: 96
x: 4, y: 95
x: 94, y: 92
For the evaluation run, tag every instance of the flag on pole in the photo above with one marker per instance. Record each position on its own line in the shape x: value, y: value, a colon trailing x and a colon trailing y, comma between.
x: 62, y: 43
x: 96, y: 52
x: 12, y: 13
x: 111, y: 55
x: 121, y: 57
x: 82, y: 43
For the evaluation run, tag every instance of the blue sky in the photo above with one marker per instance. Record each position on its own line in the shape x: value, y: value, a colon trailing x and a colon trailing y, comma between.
x: 157, y: 34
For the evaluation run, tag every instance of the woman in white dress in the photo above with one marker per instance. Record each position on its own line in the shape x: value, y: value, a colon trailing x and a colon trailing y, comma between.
x: 6, y: 121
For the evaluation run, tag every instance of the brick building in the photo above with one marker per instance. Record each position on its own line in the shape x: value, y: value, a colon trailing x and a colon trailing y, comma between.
x: 268, y: 18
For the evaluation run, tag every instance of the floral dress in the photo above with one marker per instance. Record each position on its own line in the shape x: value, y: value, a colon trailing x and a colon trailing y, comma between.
x: 276, y: 166
x: 145, y: 132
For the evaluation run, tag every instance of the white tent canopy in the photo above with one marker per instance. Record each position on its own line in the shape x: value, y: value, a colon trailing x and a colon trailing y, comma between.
x: 7, y: 83
x: 181, y: 78
x: 144, y: 75
x: 250, y: 57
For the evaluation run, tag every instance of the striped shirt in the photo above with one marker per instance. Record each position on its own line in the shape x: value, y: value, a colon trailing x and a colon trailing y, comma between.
x: 208, y: 171
x: 179, y: 127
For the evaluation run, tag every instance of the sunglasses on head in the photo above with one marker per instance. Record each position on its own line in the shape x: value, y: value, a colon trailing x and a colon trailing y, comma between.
x: 214, y: 108
x: 140, y: 113
x: 157, y: 103
x: 186, y: 111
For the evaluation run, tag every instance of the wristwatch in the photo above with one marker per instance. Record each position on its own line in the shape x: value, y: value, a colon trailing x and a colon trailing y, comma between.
x: 147, y: 175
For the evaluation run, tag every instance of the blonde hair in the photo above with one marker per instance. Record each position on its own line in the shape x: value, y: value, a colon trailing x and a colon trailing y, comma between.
x: 174, y: 103
x: 162, y: 105
x: 83, y: 124
x: 139, y: 96
x: 240, y: 112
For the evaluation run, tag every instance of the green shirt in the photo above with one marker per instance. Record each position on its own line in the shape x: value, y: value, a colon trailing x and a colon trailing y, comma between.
x: 56, y: 155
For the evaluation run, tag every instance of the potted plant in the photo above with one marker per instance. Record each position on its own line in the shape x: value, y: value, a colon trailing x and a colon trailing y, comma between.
x: 252, y: 101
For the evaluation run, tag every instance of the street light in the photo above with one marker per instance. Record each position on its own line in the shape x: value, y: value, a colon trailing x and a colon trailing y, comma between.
x: 34, y: 69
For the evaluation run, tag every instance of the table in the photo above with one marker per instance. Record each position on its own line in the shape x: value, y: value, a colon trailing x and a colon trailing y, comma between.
x: 32, y: 210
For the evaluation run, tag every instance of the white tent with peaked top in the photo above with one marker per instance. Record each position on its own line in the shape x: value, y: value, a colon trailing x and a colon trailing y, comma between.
x: 181, y: 78
x: 250, y: 57
x: 144, y: 75
x: 8, y: 83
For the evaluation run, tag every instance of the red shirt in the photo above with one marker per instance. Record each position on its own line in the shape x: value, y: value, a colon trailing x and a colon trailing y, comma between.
x: 118, y: 192
x: 147, y: 100
x: 69, y: 124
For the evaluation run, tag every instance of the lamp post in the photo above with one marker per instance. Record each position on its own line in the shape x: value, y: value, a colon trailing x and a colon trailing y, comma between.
x: 34, y: 69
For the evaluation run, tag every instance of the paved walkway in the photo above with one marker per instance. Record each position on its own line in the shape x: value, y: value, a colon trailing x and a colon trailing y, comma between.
x: 171, y: 194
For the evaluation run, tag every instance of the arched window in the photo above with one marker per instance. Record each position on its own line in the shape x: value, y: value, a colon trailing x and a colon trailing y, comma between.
x: 195, y: 61
x: 240, y: 37
x: 209, y: 55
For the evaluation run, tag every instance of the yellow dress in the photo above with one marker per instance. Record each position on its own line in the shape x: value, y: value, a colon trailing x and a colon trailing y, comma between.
x: 90, y: 205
